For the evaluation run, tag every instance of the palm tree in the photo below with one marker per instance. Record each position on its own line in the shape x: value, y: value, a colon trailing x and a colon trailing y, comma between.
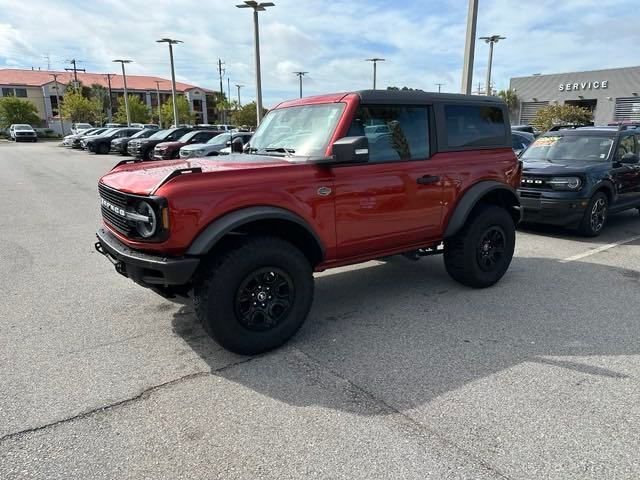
x: 511, y: 99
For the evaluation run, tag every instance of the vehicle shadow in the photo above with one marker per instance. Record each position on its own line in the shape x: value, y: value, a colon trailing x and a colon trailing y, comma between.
x: 405, y: 332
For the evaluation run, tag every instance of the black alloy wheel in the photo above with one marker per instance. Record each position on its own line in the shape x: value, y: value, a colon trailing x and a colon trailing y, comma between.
x: 595, y: 215
x: 491, y: 248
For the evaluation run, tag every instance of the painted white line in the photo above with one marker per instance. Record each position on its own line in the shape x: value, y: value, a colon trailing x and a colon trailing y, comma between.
x: 600, y: 249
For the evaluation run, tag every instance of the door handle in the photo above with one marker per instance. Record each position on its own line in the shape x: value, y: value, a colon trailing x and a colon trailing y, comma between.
x: 428, y: 179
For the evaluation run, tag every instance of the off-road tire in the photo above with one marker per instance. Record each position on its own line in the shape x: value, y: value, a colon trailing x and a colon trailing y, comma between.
x: 218, y: 287
x: 587, y: 228
x: 463, y: 251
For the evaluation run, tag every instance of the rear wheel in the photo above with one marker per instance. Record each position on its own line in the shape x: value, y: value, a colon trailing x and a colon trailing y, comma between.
x: 595, y: 215
x: 255, y: 297
x: 148, y: 155
x: 480, y: 254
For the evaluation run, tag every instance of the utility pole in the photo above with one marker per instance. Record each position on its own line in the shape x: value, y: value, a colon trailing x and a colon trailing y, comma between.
x: 439, y: 86
x: 300, y: 75
x: 229, y: 93
x: 220, y: 73
x: 375, y: 62
x: 257, y: 7
x: 491, y: 40
x: 48, y: 58
x: 75, y: 70
x: 158, y: 98
x: 126, y: 95
x: 469, y: 47
x: 172, y: 42
x: 239, y: 87
x: 55, y: 79
x: 109, y: 75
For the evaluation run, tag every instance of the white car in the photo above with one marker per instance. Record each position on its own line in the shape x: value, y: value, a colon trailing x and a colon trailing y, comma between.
x: 213, y: 146
x: 225, y: 128
x: 78, y: 127
x: 22, y: 132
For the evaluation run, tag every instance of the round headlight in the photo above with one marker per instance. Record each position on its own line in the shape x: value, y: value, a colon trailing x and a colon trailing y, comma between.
x: 147, y: 228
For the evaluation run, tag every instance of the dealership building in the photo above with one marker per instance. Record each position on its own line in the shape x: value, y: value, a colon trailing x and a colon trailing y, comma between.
x: 40, y: 88
x: 612, y: 94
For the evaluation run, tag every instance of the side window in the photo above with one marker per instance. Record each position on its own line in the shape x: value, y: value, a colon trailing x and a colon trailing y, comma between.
x: 637, y: 135
x: 394, y: 132
x: 474, y: 126
x: 626, y: 145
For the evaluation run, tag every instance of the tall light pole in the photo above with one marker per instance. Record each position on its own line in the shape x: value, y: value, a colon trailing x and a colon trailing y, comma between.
x: 55, y: 79
x: 126, y: 95
x: 158, y: 99
x: 171, y: 43
x: 491, y: 40
x: 469, y: 47
x: 257, y: 7
x: 239, y: 87
x: 439, y: 86
x: 375, y: 63
x: 300, y: 75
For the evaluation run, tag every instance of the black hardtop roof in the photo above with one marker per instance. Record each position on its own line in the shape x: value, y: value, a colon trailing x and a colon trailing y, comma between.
x: 414, y: 96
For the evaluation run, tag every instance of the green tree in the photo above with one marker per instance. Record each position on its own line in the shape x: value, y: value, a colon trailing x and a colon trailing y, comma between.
x: 246, y: 115
x: 77, y: 108
x: 185, y: 115
x: 510, y: 98
x: 17, y: 110
x: 138, y: 111
x: 100, y: 96
x: 552, y: 115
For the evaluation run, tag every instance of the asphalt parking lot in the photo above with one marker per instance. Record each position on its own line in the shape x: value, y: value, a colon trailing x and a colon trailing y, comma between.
x: 398, y: 373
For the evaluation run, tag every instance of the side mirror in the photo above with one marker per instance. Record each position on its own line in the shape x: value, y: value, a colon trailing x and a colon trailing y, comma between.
x: 236, y: 145
x: 630, y: 158
x: 351, y: 150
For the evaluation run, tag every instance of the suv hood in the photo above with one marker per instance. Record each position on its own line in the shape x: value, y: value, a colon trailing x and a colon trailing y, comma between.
x: 560, y: 167
x: 172, y: 145
x: 142, y: 178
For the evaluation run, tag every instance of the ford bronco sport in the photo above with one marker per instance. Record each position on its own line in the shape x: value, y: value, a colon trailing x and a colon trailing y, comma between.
x: 325, y: 181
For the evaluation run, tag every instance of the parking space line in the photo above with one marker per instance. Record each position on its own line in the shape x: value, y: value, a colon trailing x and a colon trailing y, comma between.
x: 599, y: 249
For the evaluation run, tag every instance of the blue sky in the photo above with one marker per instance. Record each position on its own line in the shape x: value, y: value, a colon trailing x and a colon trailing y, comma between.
x: 422, y: 41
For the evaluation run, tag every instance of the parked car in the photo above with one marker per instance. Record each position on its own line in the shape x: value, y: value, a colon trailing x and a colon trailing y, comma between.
x: 78, y: 127
x: 521, y: 140
x: 102, y: 143
x: 113, y: 125
x: 576, y: 178
x: 119, y: 145
x: 87, y: 138
x: 76, y: 140
x: 143, y: 147
x: 224, y: 127
x: 169, y: 150
x: 67, y: 141
x: 244, y: 233
x: 21, y: 132
x: 145, y: 125
x: 213, y: 146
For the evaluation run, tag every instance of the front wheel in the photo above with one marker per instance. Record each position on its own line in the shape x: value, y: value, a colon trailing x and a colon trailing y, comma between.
x: 480, y: 254
x: 255, y: 297
x: 595, y: 216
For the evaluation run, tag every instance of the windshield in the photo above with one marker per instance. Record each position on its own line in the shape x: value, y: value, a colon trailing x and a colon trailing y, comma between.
x: 569, y: 147
x: 297, y: 131
x: 143, y: 134
x: 221, y: 139
x: 108, y: 132
x: 188, y: 136
x: 160, y: 134
x: 22, y: 127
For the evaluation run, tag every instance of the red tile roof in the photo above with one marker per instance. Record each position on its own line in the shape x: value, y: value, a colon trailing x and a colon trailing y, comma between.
x: 37, y: 78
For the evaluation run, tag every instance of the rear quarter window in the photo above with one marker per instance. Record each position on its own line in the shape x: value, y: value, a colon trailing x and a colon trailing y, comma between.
x: 469, y: 126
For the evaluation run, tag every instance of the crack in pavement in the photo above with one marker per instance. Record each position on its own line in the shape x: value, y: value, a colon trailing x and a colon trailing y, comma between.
x: 143, y: 394
x: 420, y: 427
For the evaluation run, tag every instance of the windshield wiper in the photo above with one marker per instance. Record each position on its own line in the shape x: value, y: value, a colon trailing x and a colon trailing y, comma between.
x: 285, y: 150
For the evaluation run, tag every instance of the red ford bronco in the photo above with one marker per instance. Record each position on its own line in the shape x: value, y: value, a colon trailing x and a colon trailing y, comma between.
x: 325, y: 181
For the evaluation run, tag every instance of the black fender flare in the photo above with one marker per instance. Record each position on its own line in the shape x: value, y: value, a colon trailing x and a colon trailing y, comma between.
x: 605, y: 184
x: 217, y: 229
x: 471, y: 198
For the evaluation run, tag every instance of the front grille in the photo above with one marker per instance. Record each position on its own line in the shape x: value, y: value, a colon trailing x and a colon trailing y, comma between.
x: 535, y: 182
x: 118, y: 199
x: 530, y: 194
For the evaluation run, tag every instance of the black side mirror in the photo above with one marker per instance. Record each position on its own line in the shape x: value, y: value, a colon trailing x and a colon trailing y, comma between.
x: 630, y: 158
x: 351, y: 150
x: 236, y: 145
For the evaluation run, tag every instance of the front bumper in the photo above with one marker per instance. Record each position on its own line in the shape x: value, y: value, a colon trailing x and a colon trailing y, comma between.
x: 163, y: 154
x: 151, y: 271
x: 557, y: 208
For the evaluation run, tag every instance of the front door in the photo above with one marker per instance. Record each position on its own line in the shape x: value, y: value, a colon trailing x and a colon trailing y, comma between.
x: 626, y: 176
x: 395, y: 199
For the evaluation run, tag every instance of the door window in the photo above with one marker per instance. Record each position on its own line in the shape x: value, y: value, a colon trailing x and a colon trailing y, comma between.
x: 474, y: 126
x: 626, y: 145
x: 394, y: 132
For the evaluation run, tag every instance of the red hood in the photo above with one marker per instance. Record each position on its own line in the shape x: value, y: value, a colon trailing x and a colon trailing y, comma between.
x: 142, y: 178
x: 171, y: 145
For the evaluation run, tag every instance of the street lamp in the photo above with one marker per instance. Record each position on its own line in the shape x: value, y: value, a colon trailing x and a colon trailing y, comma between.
x: 126, y: 95
x: 491, y: 40
x: 469, y: 47
x: 300, y: 75
x: 238, y: 86
x: 257, y: 7
x: 171, y: 43
x: 375, y: 62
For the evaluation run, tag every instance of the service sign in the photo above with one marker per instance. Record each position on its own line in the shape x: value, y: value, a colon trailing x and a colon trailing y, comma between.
x: 577, y: 86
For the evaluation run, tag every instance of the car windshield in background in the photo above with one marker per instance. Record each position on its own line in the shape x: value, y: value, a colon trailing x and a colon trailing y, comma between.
x: 302, y: 131
x: 569, y: 147
x: 188, y: 136
x: 143, y: 134
x: 221, y: 139
x: 23, y: 127
x: 160, y: 134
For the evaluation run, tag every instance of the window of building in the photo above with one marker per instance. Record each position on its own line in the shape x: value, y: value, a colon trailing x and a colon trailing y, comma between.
x: 394, y: 132
x: 7, y: 92
x: 197, y: 105
x: 21, y: 92
x: 474, y: 126
x: 54, y: 105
